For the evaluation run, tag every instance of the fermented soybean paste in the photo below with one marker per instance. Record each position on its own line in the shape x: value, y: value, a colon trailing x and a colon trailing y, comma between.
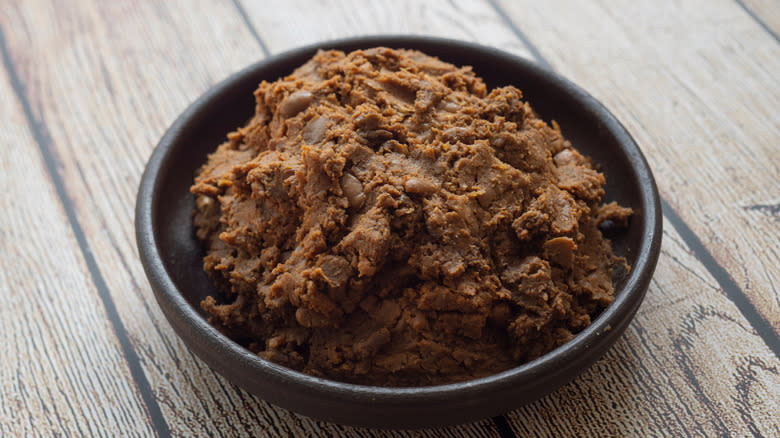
x: 385, y: 219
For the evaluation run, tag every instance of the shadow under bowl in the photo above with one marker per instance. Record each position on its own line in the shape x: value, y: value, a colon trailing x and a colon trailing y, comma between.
x: 172, y: 256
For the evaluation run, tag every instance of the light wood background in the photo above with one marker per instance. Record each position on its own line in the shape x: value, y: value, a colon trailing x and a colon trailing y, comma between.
x: 88, y: 87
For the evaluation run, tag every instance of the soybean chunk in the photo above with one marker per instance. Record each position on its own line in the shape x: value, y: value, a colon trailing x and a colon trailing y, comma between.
x: 295, y: 103
x: 353, y: 190
x: 386, y: 219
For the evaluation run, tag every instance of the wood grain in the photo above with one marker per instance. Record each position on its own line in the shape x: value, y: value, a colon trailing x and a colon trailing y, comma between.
x: 701, y: 105
x: 767, y: 11
x: 117, y: 73
x: 299, y: 22
x: 62, y: 369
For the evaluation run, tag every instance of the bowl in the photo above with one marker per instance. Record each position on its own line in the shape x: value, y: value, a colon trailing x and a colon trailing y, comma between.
x: 171, y: 255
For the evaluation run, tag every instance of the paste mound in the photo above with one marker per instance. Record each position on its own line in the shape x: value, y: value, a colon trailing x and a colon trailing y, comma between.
x: 384, y: 219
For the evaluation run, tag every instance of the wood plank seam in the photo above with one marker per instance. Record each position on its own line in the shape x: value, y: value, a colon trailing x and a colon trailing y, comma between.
x: 770, y: 209
x: 726, y: 282
x: 251, y: 28
x: 724, y: 279
x: 520, y: 35
x: 758, y: 20
x: 502, y: 424
x: 43, y: 141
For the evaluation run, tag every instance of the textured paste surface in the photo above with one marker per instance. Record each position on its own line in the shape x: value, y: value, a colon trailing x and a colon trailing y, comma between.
x: 384, y: 219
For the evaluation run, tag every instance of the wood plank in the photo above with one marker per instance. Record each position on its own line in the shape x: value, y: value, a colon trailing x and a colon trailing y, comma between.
x: 689, y: 365
x: 117, y: 73
x: 289, y: 26
x: 696, y: 83
x: 767, y: 11
x: 63, y: 372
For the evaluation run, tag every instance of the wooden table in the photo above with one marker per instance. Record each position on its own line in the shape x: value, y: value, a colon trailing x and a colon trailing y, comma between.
x: 88, y: 87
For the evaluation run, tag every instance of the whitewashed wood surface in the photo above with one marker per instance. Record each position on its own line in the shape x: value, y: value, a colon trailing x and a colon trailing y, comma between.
x: 88, y: 87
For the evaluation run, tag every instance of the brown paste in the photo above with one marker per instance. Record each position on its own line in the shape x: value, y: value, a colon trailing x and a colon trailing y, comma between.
x: 385, y: 219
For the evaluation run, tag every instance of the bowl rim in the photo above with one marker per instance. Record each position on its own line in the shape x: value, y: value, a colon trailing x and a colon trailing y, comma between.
x: 615, y: 317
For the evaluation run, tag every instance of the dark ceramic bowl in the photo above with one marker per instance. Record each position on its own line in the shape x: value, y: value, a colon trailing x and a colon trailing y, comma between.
x: 171, y: 255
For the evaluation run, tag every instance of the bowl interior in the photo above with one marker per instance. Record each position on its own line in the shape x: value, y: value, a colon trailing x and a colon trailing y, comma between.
x: 230, y: 105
